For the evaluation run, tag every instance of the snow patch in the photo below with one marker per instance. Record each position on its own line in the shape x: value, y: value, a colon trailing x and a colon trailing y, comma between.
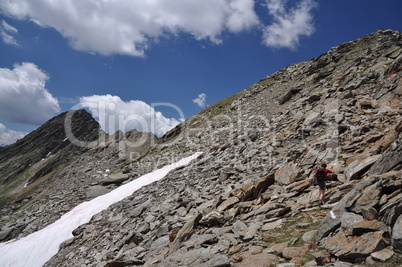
x: 37, y: 248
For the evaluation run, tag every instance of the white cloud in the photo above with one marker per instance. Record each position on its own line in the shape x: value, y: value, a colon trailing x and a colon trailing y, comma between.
x: 289, y: 25
x: 8, y: 136
x: 6, y: 32
x: 201, y: 100
x: 128, y: 26
x: 23, y: 96
x: 115, y: 114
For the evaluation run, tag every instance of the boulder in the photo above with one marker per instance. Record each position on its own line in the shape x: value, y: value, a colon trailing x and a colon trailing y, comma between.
x: 287, y: 174
x: 390, y: 211
x: 117, y: 178
x: 185, y: 232
x: 313, y: 119
x: 212, y: 219
x: 239, y: 228
x: 308, y: 237
x: 228, y: 203
x: 159, y: 243
x: 382, y: 255
x: 262, y: 184
x: 272, y: 225
x: 397, y: 235
x: 369, y: 198
x: 357, y: 168
x: 369, y: 213
x: 96, y: 191
x: 285, y: 98
x: 353, y: 247
x: 391, y: 160
x: 369, y: 226
x: 348, y: 220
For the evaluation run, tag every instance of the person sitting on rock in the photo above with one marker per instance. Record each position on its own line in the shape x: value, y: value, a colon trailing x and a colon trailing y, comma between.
x: 320, y: 177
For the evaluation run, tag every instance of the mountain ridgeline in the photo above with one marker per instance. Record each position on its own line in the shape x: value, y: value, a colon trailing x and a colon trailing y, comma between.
x: 248, y: 200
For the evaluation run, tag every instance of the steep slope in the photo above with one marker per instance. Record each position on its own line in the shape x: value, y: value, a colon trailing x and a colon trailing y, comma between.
x: 248, y: 201
x: 45, y: 142
x: 66, y: 161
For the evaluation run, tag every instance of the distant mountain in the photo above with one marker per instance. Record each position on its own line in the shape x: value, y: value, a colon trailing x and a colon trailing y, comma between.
x: 48, y: 139
x: 249, y: 200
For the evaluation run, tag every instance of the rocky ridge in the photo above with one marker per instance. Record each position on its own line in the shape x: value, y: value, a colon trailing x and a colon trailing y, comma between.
x: 248, y: 200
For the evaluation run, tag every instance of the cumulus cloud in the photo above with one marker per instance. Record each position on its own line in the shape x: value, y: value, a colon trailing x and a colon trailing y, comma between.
x: 23, y: 96
x: 289, y: 24
x: 201, y: 100
x: 115, y: 114
x: 128, y: 26
x: 8, y: 136
x: 6, y: 32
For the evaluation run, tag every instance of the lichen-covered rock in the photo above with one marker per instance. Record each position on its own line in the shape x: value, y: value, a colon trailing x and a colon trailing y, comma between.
x: 351, y: 247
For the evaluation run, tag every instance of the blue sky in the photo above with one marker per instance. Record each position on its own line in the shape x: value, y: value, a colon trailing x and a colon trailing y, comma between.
x: 130, y: 56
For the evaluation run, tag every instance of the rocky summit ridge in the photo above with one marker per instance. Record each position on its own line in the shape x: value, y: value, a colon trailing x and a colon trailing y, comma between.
x: 248, y: 200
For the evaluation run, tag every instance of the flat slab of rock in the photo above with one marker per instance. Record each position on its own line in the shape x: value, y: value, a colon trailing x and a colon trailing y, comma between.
x: 96, y: 191
x: 293, y: 252
x: 117, y: 178
x: 272, y: 225
x: 185, y: 232
x: 228, y: 203
x: 351, y: 247
x: 356, y: 168
x: 287, y: 174
x: 369, y: 226
x: 308, y: 237
x: 382, y: 255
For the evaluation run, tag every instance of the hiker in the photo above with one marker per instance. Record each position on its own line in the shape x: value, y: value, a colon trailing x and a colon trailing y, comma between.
x: 320, y: 177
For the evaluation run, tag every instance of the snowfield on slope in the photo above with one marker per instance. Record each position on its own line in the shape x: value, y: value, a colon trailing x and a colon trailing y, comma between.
x: 37, y: 248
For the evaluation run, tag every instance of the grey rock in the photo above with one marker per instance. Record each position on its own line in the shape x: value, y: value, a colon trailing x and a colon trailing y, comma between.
x: 391, y: 159
x: 185, y: 232
x: 397, y: 235
x: 159, y: 243
x: 212, y: 218
x: 339, y: 118
x: 382, y: 255
x: 314, y: 119
x: 117, y: 178
x: 137, y: 211
x: 349, y: 219
x: 272, y: 225
x: 287, y: 174
x: 5, y: 233
x: 239, y: 228
x: 219, y: 261
x: 354, y: 247
x: 308, y: 237
x: 332, y: 220
x: 286, y: 97
x: 251, y: 231
x: 96, y: 191
x: 354, y: 170
x: 369, y: 213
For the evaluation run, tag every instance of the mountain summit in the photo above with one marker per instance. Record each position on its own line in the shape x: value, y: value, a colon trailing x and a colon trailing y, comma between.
x: 249, y: 200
